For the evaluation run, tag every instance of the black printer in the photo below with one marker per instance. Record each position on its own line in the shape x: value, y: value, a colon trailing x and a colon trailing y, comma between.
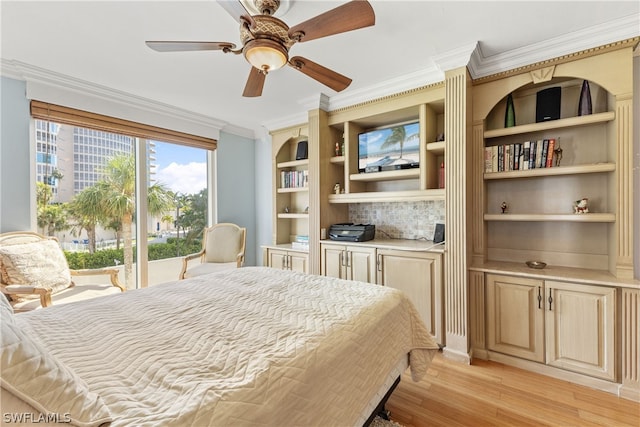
x: 350, y: 232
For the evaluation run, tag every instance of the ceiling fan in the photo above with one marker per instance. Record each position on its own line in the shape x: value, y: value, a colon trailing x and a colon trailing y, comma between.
x: 266, y: 40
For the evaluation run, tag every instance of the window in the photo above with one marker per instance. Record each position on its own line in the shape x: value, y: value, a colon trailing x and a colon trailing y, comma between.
x: 81, y: 156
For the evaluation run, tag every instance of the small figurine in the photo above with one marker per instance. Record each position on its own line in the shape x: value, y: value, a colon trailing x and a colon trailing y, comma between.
x: 336, y: 188
x: 286, y: 209
x: 580, y: 206
x: 558, y: 155
x: 504, y: 206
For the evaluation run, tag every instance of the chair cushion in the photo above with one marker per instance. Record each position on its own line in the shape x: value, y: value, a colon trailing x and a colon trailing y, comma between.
x: 33, y: 375
x: 206, y: 268
x: 40, y: 263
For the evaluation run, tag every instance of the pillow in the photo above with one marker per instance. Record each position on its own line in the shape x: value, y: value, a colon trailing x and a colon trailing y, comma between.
x: 39, y: 263
x: 34, y: 375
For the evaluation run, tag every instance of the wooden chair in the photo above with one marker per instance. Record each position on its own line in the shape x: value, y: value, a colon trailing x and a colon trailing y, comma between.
x: 35, y: 273
x: 223, y: 247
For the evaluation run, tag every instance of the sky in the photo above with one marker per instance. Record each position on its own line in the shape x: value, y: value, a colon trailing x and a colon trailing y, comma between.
x: 181, y: 169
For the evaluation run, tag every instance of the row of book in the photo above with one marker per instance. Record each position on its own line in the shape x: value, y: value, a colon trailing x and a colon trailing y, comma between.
x: 520, y: 156
x: 294, y: 179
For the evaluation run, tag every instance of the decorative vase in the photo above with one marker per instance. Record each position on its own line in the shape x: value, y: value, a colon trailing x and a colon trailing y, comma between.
x: 510, y: 113
x: 584, y: 105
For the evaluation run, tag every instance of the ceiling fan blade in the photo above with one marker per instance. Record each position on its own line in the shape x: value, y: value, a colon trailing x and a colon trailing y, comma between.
x: 255, y: 83
x: 175, y: 46
x: 327, y: 77
x: 350, y: 16
x: 236, y: 9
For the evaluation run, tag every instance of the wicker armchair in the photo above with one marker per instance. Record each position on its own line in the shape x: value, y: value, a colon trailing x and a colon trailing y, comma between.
x: 35, y: 273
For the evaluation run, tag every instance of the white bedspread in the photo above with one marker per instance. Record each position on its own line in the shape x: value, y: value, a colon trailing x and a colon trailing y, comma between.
x: 252, y: 346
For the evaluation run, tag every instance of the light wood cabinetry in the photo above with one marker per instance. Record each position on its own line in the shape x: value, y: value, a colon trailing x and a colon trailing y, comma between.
x: 580, y: 322
x: 348, y: 262
x: 291, y: 200
x: 425, y: 107
x: 515, y: 316
x: 540, y: 222
x: 285, y: 259
x: 589, y: 277
x: 420, y: 276
x: 566, y: 325
x: 405, y: 265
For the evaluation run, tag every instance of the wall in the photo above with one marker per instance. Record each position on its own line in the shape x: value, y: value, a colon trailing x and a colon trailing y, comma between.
x: 264, y: 199
x: 236, y: 177
x: 400, y: 220
x: 15, y: 199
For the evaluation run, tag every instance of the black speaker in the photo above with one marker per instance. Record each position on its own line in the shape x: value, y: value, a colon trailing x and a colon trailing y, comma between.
x: 548, y: 104
x: 302, y: 152
x: 438, y: 236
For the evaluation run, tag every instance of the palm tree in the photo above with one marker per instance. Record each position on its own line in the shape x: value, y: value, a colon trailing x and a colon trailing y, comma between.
x: 52, y: 218
x: 114, y: 196
x: 87, y: 210
x: 44, y: 194
x: 398, y: 136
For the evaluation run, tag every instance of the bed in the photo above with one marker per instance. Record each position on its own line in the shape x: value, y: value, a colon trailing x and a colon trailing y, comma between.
x: 244, y: 347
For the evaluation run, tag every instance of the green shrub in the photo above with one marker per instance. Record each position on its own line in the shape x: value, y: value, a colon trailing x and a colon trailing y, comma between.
x: 107, y: 257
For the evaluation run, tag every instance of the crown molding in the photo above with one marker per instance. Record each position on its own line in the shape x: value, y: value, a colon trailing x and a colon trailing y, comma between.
x: 598, y: 35
x: 320, y: 100
x: 402, y: 83
x: 348, y: 98
x: 455, y: 58
x: 35, y: 75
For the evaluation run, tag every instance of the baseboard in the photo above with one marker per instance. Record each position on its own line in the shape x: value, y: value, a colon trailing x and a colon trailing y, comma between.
x: 631, y: 393
x: 584, y: 380
x: 456, y: 356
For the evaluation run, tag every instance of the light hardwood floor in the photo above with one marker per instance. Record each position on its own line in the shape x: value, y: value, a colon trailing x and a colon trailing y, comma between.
x: 491, y: 394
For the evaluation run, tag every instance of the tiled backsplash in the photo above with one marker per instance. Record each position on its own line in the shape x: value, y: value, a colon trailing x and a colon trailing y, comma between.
x: 400, y: 220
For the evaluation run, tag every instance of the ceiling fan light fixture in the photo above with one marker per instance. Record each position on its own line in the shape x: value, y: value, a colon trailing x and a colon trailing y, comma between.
x: 266, y: 55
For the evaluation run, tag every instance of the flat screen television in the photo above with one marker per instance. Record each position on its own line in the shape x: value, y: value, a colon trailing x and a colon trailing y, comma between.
x: 389, y: 148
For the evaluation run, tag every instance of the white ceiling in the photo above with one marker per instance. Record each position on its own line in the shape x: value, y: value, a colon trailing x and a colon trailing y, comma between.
x: 410, y: 45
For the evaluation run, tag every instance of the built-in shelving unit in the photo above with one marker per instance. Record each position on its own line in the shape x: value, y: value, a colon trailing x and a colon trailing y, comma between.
x: 587, y: 330
x: 420, y: 183
x: 291, y: 194
x: 540, y: 201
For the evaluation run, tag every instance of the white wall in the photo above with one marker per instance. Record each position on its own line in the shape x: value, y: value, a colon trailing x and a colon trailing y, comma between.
x: 15, y: 170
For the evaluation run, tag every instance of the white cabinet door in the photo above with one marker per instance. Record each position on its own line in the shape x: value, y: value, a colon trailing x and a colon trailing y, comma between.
x: 361, y: 264
x: 420, y: 276
x: 515, y: 316
x: 348, y: 262
x: 580, y: 324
